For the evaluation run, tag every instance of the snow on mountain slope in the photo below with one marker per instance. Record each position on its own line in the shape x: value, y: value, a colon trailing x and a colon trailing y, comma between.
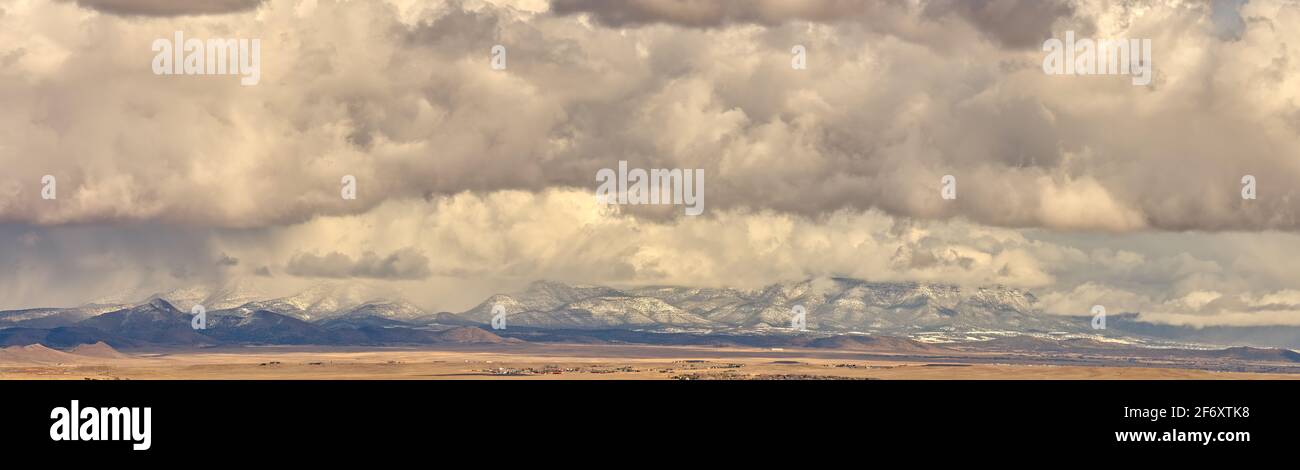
x: 835, y: 304
x: 234, y: 294
x: 324, y: 301
x: 185, y: 298
x: 391, y: 309
x: 832, y: 305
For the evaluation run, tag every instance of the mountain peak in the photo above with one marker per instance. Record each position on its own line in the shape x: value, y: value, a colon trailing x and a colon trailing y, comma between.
x: 333, y: 298
x: 161, y: 304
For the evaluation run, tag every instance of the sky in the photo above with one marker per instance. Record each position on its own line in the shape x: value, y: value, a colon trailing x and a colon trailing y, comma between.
x: 1084, y: 190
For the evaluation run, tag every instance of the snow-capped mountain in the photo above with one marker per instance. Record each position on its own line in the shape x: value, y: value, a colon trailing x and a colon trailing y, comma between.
x: 158, y: 322
x: 186, y: 297
x: 325, y: 301
x: 53, y: 317
x: 234, y: 294
x: 155, y: 321
x: 832, y: 305
x: 355, y: 313
x: 399, y: 310
x: 615, y: 311
x: 319, y: 302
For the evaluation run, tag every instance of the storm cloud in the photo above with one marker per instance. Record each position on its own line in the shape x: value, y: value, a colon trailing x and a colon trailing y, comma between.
x: 451, y: 253
x: 1016, y: 23
x: 168, y: 7
x: 472, y: 180
x: 408, y: 104
x: 402, y: 264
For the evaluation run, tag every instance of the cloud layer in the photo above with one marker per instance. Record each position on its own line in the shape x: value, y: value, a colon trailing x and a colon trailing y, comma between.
x: 402, y: 96
x: 401, y: 264
x: 451, y: 253
x: 472, y: 180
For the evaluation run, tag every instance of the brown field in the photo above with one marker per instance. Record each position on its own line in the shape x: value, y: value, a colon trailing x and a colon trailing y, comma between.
x: 556, y: 361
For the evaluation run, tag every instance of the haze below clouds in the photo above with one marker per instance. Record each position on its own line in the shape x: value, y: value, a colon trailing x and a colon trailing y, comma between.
x: 1086, y: 190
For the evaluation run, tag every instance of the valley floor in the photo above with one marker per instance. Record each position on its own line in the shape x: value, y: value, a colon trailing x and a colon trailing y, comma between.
x: 581, y: 362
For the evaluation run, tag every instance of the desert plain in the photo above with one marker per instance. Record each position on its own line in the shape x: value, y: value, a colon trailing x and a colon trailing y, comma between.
x: 573, y: 362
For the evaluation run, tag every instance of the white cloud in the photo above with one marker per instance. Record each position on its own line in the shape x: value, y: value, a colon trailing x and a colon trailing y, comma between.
x: 1086, y: 189
x: 402, y: 97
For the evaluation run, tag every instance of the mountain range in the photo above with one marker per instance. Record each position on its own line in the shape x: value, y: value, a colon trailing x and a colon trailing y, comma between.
x: 831, y: 305
x: 346, y: 313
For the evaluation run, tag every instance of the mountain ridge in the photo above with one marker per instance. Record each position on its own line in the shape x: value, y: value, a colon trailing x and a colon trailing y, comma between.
x: 337, y: 311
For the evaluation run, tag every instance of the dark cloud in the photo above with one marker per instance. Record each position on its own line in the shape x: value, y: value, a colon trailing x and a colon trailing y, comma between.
x: 168, y: 7
x: 826, y: 171
x: 1225, y: 15
x: 1013, y: 23
x: 227, y: 261
x: 407, y: 263
x: 490, y: 243
x: 881, y: 114
x: 702, y: 14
